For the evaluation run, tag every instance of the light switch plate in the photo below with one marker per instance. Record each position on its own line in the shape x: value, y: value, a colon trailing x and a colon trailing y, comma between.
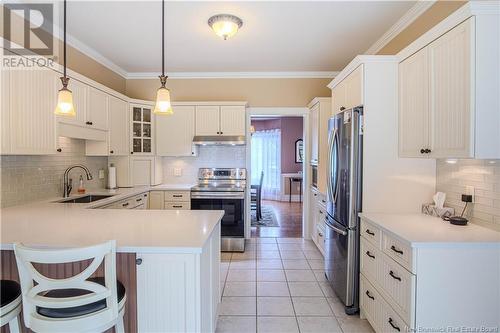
x: 101, y: 174
x: 177, y: 172
x: 469, y: 190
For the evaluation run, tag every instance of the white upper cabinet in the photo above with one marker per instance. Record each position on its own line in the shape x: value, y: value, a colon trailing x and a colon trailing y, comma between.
x: 118, y: 127
x: 97, y: 111
x: 414, y: 105
x: 435, y: 109
x: 349, y: 92
x: 174, y: 133
x: 4, y: 111
x: 33, y: 97
x: 232, y: 120
x: 142, y: 129
x: 450, y: 79
x: 314, y: 118
x: 207, y: 120
x: 220, y: 120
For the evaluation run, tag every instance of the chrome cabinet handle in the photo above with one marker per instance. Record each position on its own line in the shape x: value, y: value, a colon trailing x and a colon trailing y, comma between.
x: 125, y: 204
x: 138, y: 200
x: 391, y: 273
x: 396, y: 250
x: 320, y: 234
x: 369, y: 296
x: 394, y: 326
x: 369, y: 232
x: 370, y: 255
x: 138, y: 261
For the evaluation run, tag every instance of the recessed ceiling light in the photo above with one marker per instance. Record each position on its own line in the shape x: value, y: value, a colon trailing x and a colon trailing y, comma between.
x: 225, y: 25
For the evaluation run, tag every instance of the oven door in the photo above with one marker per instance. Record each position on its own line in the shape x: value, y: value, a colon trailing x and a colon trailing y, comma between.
x: 233, y: 222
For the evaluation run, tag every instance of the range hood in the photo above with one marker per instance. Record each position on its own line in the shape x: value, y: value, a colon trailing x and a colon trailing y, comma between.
x: 225, y: 140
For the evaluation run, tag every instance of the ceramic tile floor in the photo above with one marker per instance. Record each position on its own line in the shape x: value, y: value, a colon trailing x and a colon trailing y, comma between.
x: 278, y: 285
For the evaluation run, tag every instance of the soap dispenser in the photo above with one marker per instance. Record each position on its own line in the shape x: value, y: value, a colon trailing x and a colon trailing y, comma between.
x: 81, y: 189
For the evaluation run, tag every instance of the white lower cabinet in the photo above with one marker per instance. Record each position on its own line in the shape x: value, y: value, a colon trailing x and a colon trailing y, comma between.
x: 318, y: 219
x: 179, y: 292
x: 426, y: 286
x: 173, y: 200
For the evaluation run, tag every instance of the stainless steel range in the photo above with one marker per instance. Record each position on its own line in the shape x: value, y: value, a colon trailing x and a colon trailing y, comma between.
x: 224, y: 189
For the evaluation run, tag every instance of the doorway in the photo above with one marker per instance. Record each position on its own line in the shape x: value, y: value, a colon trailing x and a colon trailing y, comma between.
x: 276, y: 158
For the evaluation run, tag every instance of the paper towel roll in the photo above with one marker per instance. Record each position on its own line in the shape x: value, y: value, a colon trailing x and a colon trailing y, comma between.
x: 111, y: 177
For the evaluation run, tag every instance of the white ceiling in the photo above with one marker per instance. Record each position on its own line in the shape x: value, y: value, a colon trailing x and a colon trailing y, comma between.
x: 275, y: 37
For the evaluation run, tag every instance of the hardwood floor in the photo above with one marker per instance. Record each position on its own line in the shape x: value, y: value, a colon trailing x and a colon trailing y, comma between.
x: 289, y: 216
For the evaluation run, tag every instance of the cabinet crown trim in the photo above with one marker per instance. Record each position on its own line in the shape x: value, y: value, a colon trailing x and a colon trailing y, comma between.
x: 356, y: 62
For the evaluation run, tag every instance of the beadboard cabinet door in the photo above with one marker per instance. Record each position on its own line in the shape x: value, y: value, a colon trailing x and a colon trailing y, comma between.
x: 314, y: 121
x: 5, y: 107
x: 354, y: 88
x: 207, y: 120
x: 33, y: 98
x: 118, y: 127
x: 414, y: 105
x: 174, y: 133
x: 232, y: 120
x: 97, y: 116
x: 451, y: 131
x: 339, y: 98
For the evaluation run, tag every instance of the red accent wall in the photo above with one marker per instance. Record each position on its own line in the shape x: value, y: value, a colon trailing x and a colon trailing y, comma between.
x: 291, y: 130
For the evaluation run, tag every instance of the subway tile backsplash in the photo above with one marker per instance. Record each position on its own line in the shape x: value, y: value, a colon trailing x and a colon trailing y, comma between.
x: 31, y: 178
x: 208, y: 157
x: 484, y: 175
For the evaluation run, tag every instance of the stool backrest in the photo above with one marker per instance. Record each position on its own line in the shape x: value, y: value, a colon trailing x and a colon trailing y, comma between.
x: 34, y: 286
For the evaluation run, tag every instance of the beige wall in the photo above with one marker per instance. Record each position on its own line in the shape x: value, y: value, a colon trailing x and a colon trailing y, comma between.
x: 258, y: 92
x: 80, y: 62
x: 435, y: 14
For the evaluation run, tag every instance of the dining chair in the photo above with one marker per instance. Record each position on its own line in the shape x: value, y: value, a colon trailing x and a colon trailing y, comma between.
x: 256, y: 197
x: 79, y: 303
x: 10, y: 294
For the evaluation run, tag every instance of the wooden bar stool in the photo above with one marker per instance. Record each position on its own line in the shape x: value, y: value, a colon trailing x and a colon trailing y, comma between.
x: 75, y: 304
x: 11, y: 305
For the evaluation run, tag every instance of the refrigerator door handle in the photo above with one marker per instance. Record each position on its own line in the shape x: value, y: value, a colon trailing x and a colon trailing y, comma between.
x: 329, y: 190
x: 334, y: 228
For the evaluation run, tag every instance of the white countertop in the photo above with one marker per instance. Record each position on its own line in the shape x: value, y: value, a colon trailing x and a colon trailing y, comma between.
x: 52, y: 224
x: 172, y: 187
x: 424, y: 230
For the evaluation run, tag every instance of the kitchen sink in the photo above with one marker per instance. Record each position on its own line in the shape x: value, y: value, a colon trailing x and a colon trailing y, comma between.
x: 85, y: 199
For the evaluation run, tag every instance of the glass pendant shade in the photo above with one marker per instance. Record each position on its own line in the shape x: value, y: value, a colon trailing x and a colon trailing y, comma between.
x: 65, y: 103
x: 163, y: 105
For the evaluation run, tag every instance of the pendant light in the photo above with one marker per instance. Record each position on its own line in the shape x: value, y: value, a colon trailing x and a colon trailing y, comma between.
x: 65, y: 96
x: 163, y: 105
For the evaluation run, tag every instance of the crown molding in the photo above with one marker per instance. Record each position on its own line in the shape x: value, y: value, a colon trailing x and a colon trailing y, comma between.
x: 408, y: 18
x: 237, y: 75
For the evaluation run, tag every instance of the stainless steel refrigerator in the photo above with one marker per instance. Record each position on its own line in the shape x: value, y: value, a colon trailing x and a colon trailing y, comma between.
x: 345, y: 151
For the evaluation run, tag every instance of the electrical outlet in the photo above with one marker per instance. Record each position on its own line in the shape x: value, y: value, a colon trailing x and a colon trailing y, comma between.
x: 177, y: 172
x: 469, y: 190
x: 101, y: 174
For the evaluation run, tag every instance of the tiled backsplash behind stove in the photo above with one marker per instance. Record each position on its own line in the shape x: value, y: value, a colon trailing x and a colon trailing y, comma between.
x: 30, y: 178
x: 208, y: 157
x: 484, y: 175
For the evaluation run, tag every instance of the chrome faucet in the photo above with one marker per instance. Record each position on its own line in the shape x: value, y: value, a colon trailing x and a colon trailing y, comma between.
x: 68, y: 185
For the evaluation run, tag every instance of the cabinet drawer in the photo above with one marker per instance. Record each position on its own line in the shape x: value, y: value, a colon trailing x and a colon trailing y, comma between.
x: 371, y: 233
x: 390, y: 321
x: 178, y: 205
x: 140, y: 199
x: 370, y: 259
x: 397, y: 250
x: 184, y: 196
x: 399, y: 285
x: 370, y: 302
x: 320, y: 230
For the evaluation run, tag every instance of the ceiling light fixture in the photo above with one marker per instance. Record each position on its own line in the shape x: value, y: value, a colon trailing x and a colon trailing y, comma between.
x: 65, y: 105
x: 225, y: 25
x: 163, y: 105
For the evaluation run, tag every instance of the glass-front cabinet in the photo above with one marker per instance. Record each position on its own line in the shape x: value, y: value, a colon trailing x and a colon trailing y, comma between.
x: 141, y: 127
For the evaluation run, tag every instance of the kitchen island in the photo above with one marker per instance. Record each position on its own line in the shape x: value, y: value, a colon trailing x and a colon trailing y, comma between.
x: 168, y: 260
